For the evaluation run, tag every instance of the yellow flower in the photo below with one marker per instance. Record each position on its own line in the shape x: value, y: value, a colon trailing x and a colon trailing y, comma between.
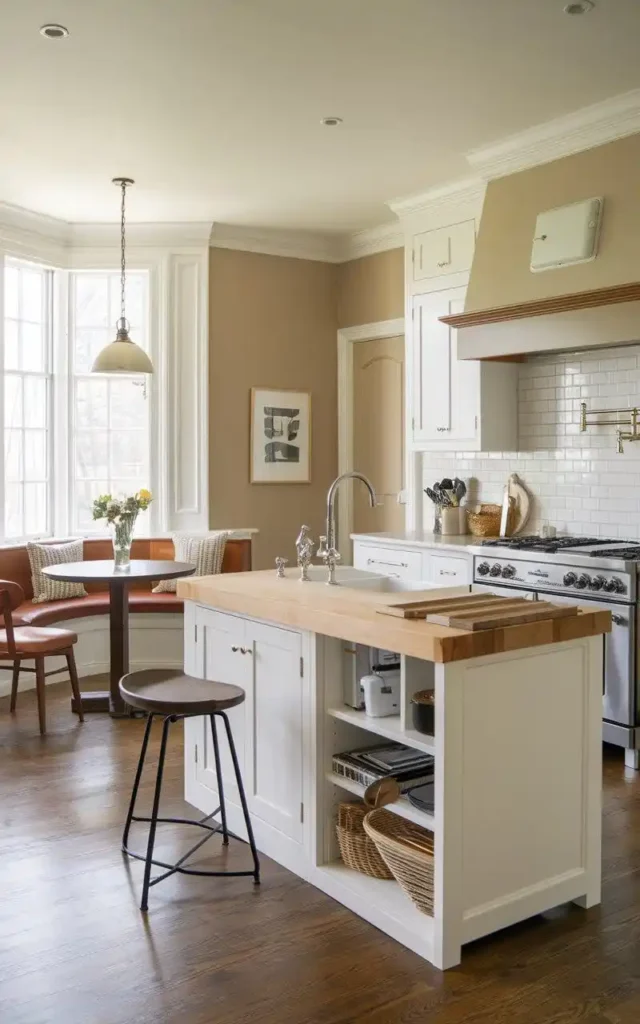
x: 144, y: 494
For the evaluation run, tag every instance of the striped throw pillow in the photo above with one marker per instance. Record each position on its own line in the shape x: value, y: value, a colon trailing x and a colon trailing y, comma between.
x: 42, y: 555
x: 204, y: 550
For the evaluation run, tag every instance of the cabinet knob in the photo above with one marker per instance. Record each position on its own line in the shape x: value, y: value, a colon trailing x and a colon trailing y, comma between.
x: 235, y: 649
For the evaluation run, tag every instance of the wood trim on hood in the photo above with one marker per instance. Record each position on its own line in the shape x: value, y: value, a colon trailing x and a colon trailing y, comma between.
x: 541, y: 307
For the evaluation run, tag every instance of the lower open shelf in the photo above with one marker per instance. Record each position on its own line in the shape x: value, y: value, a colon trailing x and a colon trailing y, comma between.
x: 402, y: 806
x: 381, y: 902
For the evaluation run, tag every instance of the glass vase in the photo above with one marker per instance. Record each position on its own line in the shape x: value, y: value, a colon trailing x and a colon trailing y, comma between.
x: 122, y: 535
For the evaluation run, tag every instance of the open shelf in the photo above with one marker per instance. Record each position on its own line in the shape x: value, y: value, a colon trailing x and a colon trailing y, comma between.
x: 381, y: 902
x: 402, y: 806
x: 388, y: 727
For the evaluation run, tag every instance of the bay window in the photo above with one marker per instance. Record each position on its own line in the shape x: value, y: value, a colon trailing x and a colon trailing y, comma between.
x: 94, y: 429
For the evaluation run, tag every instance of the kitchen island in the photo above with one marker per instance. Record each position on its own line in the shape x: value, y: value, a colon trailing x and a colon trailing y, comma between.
x: 517, y: 747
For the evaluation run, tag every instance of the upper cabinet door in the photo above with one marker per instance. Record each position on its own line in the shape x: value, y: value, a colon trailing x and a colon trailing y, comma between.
x: 273, y: 779
x: 444, y: 251
x: 445, y: 391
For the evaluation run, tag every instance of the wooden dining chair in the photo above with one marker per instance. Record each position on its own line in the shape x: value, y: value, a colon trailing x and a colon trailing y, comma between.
x: 34, y: 643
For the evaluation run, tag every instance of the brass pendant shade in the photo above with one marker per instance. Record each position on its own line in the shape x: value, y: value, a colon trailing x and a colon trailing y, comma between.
x: 122, y: 355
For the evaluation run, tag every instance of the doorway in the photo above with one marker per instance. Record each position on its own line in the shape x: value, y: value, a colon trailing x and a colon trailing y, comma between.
x: 378, y: 432
x: 371, y: 428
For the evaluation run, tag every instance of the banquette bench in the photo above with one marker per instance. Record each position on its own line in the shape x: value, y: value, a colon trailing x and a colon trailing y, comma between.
x: 156, y: 620
x: 14, y: 566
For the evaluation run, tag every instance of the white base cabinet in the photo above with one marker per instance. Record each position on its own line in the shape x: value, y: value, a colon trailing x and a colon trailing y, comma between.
x: 268, y: 728
x: 516, y: 819
x: 414, y: 565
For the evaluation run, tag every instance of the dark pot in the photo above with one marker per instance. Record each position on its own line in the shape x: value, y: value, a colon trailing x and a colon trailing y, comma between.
x: 423, y: 717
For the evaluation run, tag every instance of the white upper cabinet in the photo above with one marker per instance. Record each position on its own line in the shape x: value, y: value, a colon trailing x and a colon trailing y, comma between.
x: 457, y: 404
x: 443, y: 251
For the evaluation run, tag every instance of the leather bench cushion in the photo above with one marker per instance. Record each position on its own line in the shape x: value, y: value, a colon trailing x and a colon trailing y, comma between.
x: 30, y: 614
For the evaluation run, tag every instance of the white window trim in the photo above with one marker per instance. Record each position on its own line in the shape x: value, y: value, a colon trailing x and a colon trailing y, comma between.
x: 178, y: 347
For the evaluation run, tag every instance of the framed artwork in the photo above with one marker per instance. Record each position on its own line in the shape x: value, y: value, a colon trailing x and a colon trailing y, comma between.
x: 280, y: 436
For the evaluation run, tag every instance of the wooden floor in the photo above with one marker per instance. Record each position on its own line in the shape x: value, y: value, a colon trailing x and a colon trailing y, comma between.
x: 74, y: 948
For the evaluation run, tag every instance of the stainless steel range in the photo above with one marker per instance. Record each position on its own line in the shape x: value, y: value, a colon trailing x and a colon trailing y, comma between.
x: 590, y: 571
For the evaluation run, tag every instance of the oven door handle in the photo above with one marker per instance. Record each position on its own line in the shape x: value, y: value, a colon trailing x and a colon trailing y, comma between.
x: 619, y: 620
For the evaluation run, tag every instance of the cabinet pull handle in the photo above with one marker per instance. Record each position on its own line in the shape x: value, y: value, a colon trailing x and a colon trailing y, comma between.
x: 447, y: 572
x: 442, y: 430
x: 235, y: 649
x: 246, y: 650
x: 395, y: 565
x: 445, y: 263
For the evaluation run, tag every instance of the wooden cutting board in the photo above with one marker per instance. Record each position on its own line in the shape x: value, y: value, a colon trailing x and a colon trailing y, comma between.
x: 480, y: 611
x: 419, y: 608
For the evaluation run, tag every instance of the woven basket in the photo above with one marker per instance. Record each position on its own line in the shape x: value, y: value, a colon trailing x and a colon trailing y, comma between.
x: 356, y: 849
x: 407, y: 850
x: 486, y: 522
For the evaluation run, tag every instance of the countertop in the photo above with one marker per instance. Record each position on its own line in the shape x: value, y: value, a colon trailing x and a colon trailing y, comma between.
x: 419, y: 539
x: 350, y: 614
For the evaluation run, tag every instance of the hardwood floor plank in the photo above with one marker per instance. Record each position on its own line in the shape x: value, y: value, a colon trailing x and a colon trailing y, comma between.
x: 74, y: 948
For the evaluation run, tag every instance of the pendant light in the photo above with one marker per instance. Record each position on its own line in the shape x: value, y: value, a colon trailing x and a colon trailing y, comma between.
x: 122, y: 355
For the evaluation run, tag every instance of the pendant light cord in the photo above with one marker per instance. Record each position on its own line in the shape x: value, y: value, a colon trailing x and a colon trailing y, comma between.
x: 123, y: 266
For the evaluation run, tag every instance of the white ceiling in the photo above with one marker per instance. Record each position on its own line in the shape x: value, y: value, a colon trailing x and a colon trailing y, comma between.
x: 213, y: 106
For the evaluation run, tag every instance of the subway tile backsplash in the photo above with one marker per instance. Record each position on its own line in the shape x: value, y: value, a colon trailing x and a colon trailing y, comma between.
x: 579, y: 483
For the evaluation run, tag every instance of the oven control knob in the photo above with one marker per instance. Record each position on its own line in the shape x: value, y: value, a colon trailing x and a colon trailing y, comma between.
x: 610, y: 586
x: 583, y: 581
x: 483, y: 569
x: 597, y: 583
x: 496, y: 569
x: 509, y: 572
x: 619, y: 585
x: 569, y: 579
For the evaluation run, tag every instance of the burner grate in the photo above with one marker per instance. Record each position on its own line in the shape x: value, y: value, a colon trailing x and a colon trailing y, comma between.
x: 547, y: 545
x: 630, y: 554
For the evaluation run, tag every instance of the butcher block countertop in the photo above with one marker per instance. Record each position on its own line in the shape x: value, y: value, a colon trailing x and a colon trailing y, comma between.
x: 351, y: 614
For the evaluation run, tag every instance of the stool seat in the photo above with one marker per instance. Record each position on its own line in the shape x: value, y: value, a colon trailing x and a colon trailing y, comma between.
x: 165, y: 691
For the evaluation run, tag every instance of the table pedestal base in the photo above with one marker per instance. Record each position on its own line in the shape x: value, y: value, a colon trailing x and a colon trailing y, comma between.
x: 92, y: 700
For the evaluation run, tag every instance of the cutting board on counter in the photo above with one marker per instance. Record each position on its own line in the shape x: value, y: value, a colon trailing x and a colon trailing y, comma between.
x: 478, y: 611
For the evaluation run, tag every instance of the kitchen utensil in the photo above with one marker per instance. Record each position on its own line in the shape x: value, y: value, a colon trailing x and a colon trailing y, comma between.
x: 446, y: 484
x: 504, y: 515
x: 432, y: 494
x: 460, y: 488
x: 423, y: 712
x: 516, y: 615
x: 523, y: 502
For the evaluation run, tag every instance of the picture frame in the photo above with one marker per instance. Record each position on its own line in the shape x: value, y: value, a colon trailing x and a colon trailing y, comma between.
x: 280, y: 431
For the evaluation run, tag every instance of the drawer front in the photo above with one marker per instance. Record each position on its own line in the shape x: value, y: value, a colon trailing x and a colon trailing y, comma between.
x: 449, y: 571
x: 397, y: 562
x: 447, y: 250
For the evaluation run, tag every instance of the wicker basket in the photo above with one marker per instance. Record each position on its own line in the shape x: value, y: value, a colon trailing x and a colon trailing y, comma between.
x: 407, y: 849
x: 486, y: 522
x: 356, y: 849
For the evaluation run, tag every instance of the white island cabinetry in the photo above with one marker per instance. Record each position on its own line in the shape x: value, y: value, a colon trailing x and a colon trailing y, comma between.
x: 433, y: 567
x: 516, y: 818
x: 266, y: 661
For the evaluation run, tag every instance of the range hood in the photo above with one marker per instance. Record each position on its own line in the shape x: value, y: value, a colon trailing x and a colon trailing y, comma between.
x: 516, y: 305
x: 564, y: 323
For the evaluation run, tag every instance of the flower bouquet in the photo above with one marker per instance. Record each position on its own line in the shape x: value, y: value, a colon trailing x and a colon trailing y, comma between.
x: 121, y: 515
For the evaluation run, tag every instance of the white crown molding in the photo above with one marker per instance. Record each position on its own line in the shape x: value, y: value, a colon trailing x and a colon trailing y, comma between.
x: 454, y: 193
x: 584, y: 129
x: 372, y: 240
x: 155, y: 236
x: 300, y: 245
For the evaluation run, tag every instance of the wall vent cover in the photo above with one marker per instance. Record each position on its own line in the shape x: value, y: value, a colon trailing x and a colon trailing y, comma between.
x: 566, y: 235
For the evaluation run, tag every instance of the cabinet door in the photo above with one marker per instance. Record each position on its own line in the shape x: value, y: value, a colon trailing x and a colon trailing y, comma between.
x: 222, y: 638
x: 446, y: 391
x: 273, y: 778
x: 396, y: 562
x: 441, y: 251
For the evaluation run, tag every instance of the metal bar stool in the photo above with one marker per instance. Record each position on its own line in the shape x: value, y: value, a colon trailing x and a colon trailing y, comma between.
x: 174, y: 696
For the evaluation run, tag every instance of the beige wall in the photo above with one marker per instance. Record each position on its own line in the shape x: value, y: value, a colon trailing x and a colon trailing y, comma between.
x: 371, y: 289
x: 501, y: 274
x: 272, y: 324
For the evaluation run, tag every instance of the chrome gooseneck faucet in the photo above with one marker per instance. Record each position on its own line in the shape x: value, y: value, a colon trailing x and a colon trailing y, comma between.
x: 328, y: 550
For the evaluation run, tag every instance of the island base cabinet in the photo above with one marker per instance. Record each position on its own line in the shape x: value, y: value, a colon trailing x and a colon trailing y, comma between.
x: 267, y: 729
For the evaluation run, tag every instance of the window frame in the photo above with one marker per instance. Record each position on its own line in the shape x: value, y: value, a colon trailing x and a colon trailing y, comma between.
x: 48, y: 374
x: 73, y: 528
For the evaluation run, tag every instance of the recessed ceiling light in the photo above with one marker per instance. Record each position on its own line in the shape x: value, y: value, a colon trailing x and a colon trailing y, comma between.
x: 331, y: 122
x: 54, y: 31
x: 579, y: 7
